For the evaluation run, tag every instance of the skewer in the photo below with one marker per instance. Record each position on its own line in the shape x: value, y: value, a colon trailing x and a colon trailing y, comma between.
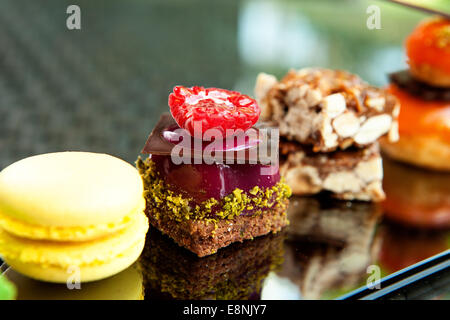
x: 420, y: 8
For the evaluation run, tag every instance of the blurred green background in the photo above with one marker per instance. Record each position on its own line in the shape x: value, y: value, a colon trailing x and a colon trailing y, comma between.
x: 102, y: 88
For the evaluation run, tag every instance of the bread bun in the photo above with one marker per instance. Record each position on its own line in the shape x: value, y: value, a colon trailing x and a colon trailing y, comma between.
x: 424, y: 128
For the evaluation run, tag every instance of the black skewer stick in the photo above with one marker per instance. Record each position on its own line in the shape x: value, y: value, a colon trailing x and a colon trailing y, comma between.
x: 420, y: 8
x: 405, y: 278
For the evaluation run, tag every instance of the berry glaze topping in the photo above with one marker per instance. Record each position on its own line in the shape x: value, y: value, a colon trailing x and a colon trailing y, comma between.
x: 198, y: 109
x: 202, y: 181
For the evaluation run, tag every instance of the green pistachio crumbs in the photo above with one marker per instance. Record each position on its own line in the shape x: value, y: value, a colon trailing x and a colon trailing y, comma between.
x: 176, y: 207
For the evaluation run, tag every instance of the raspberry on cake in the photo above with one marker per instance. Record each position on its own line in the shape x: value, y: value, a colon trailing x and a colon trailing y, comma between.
x: 206, y: 206
x: 328, y: 109
x: 212, y: 108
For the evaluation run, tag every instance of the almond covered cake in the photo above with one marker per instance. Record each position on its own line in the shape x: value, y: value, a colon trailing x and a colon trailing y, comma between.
x: 327, y: 109
x: 329, y: 122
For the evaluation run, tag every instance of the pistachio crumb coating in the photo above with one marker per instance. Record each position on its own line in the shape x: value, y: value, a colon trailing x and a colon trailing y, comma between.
x: 161, y: 200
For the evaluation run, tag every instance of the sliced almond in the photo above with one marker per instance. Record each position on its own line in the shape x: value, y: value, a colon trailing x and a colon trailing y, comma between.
x: 329, y: 137
x: 376, y: 103
x: 346, y: 125
x: 346, y: 143
x: 303, y: 180
x: 313, y: 97
x: 334, y: 104
x: 396, y: 110
x: 393, y: 135
x: 264, y: 82
x: 375, y: 190
x: 370, y: 170
x: 274, y: 109
x: 373, y: 128
x: 340, y: 182
x: 295, y: 94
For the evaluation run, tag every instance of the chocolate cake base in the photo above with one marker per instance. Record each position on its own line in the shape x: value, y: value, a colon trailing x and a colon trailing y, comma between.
x: 204, y: 237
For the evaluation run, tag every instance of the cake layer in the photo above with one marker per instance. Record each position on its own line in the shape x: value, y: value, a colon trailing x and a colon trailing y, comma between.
x: 327, y: 109
x: 353, y: 174
x: 404, y: 80
x: 203, y: 237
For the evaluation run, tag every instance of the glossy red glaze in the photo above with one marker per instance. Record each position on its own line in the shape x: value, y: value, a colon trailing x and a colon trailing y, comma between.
x: 203, y: 181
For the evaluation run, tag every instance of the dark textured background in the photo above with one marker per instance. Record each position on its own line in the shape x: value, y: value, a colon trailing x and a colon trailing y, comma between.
x: 103, y: 87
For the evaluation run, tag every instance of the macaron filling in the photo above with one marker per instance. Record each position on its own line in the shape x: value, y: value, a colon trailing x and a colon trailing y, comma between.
x: 58, y: 233
x: 47, y: 255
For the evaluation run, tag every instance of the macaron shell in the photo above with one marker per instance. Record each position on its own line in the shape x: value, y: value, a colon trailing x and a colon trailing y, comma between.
x: 86, y: 273
x: 69, y: 189
x: 96, y: 259
x: 55, y: 233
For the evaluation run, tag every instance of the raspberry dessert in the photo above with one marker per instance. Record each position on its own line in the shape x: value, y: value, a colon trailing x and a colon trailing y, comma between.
x: 208, y: 200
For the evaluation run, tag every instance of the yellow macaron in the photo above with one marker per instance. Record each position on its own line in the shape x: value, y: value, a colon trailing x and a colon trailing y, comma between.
x: 71, y: 214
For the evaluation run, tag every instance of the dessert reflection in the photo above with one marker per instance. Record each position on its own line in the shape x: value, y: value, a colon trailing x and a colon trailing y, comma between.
x: 126, y: 285
x: 322, y: 253
x: 416, y: 197
x: 329, y: 245
x: 235, y: 272
x: 403, y: 246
